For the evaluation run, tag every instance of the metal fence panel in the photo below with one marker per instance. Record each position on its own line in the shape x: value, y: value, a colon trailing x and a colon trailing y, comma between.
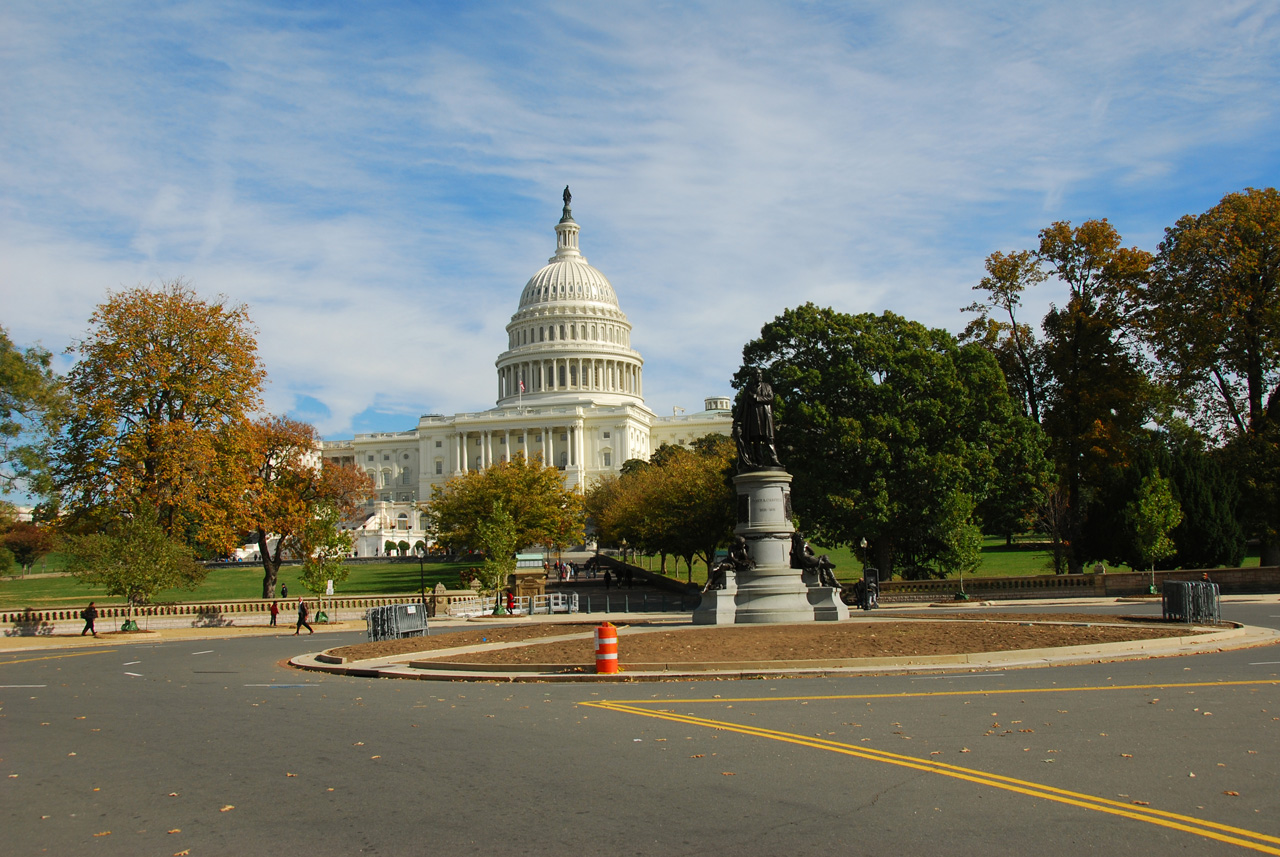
x: 395, y: 621
x: 1191, y: 601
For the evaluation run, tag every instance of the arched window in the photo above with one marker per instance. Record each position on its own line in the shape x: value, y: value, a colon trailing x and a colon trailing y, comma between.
x: 402, y: 521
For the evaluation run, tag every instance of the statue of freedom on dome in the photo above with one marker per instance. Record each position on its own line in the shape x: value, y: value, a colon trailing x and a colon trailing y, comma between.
x: 568, y: 197
x: 753, y: 427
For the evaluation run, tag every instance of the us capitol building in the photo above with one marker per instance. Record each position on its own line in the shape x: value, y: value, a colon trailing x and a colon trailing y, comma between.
x: 570, y: 391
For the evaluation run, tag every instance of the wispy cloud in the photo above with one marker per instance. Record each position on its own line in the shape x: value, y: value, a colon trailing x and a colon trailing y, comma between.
x: 377, y: 182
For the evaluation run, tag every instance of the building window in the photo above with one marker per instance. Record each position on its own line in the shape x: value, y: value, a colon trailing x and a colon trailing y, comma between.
x: 477, y: 441
x: 405, y: 457
x: 564, y: 436
x: 369, y: 458
x: 439, y: 467
x: 608, y: 459
x: 402, y: 521
x: 386, y: 457
x: 406, y: 477
x: 503, y: 440
x: 439, y: 443
x: 386, y: 498
x: 519, y: 438
x: 606, y: 435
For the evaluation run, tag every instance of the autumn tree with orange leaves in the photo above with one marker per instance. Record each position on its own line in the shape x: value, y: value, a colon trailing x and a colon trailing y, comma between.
x: 158, y: 420
x: 290, y: 485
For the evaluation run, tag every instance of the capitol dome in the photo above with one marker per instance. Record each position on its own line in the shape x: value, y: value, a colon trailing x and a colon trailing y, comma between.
x: 569, y: 341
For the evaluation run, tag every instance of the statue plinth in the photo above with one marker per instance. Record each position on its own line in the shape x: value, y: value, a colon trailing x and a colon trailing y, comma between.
x: 772, y: 591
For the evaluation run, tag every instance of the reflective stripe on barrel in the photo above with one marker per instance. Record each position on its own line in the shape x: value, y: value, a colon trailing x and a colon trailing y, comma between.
x: 606, y: 648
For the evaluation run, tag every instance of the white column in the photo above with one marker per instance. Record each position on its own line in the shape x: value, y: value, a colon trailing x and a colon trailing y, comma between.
x: 623, y: 445
x: 550, y: 446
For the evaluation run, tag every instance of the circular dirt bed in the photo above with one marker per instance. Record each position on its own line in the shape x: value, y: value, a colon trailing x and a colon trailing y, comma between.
x: 640, y: 642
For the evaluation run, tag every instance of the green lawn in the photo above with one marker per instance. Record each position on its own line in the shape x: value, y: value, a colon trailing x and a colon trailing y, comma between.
x: 224, y: 584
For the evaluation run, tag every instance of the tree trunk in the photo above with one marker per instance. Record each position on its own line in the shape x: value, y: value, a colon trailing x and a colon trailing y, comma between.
x: 1270, y: 553
x: 883, y: 553
x: 270, y: 565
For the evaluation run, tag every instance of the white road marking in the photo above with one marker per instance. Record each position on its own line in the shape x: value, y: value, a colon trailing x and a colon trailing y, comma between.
x: 130, y: 663
x: 135, y: 675
x: 23, y: 685
x: 205, y: 652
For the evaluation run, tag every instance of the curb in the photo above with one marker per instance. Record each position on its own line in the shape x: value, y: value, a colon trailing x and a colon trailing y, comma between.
x: 1239, y: 637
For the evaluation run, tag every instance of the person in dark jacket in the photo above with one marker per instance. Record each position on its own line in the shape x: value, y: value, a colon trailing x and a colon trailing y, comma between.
x: 89, y: 614
x: 303, y: 612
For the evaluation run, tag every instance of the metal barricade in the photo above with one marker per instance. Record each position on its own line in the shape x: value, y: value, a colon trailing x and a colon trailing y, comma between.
x: 1191, y: 601
x: 395, y: 621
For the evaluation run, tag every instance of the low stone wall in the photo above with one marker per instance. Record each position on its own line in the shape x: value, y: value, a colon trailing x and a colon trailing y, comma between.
x: 1231, y: 581
x: 28, y: 623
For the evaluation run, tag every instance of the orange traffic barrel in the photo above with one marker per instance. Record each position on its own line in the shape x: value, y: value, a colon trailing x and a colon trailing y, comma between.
x: 606, y: 649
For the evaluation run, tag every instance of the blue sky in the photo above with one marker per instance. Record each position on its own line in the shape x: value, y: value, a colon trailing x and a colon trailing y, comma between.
x: 377, y: 181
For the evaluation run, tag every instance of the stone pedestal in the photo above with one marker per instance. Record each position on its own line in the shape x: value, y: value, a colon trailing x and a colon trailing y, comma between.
x: 773, y: 591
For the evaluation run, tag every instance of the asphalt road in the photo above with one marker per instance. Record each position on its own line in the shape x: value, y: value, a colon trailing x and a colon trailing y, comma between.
x: 216, y: 748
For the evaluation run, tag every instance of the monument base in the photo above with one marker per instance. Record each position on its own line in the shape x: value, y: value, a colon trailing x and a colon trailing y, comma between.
x: 771, y: 592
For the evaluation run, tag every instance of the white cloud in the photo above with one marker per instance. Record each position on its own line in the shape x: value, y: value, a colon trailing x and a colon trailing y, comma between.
x: 378, y: 184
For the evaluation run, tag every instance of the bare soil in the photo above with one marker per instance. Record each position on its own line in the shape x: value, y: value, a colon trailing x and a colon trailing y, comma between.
x: 967, y: 633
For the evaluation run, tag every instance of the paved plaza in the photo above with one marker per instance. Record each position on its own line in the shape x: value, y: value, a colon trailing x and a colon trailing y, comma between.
x: 217, y: 746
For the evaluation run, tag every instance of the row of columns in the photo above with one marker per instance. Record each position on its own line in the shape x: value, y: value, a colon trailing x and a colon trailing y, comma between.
x: 570, y: 373
x: 472, y: 456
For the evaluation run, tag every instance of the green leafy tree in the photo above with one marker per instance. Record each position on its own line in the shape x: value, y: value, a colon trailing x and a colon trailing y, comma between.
x: 1023, y: 479
x: 1212, y: 315
x: 30, y: 405
x: 158, y: 409
x: 679, y: 503
x: 497, y: 536
x: 323, y: 547
x: 134, y: 557
x: 1098, y: 396
x: 998, y: 328
x: 544, y: 511
x: 1153, y: 515
x: 890, y: 430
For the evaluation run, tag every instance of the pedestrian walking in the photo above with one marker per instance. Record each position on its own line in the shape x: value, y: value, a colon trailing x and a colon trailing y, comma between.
x: 303, y: 612
x: 275, y: 611
x: 284, y: 590
x: 607, y: 578
x: 89, y: 614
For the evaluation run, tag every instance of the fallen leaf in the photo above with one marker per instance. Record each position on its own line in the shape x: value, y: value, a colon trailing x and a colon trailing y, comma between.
x: 726, y: 773
x: 176, y: 830
x: 1207, y: 713
x: 81, y: 718
x: 698, y: 756
x: 173, y: 794
x: 1047, y: 761
x: 227, y: 808
x: 964, y: 749
x: 1142, y: 802
x: 1026, y: 730
x: 71, y: 754
x: 290, y: 775
x: 375, y: 757
x: 105, y: 832
x: 182, y: 853
x: 358, y: 744
x: 936, y: 753
x: 1233, y: 794
x: 1126, y: 755
x: 1191, y: 774
x: 13, y: 776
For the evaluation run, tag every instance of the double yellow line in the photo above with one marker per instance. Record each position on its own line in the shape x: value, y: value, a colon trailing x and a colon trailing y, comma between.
x: 1260, y: 842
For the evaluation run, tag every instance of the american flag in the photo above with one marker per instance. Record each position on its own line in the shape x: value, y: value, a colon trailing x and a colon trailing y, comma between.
x: 521, y: 385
